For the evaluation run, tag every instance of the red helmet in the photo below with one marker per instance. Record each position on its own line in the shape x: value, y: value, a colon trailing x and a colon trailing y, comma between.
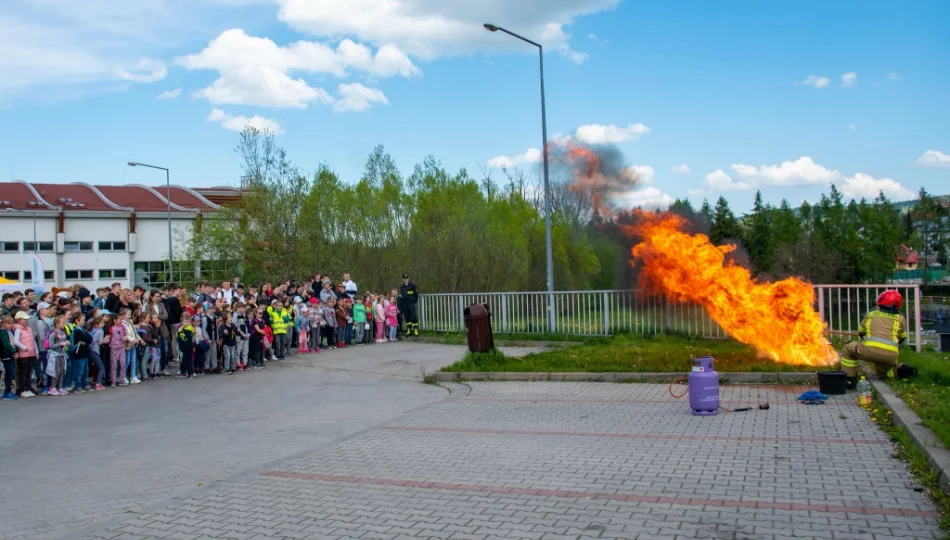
x: 890, y: 299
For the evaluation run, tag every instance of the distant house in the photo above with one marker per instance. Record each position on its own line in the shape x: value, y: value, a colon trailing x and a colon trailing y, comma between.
x: 907, y: 258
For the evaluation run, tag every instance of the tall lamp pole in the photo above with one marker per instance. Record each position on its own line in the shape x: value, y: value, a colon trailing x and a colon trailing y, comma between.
x: 168, y: 203
x: 547, y: 185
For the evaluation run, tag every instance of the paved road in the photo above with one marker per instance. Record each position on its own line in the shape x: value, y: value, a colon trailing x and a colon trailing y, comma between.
x: 71, y: 461
x: 507, y: 460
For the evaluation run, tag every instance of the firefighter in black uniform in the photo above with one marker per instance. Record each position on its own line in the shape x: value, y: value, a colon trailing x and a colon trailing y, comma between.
x: 408, y: 296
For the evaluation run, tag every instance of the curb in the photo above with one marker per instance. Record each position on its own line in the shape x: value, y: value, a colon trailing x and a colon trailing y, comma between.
x: 447, y: 376
x: 925, y: 440
x: 504, y: 343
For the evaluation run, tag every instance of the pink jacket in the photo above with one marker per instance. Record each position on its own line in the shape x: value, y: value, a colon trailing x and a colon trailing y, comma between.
x: 26, y: 343
x: 117, y: 337
x: 379, y: 313
x: 391, y: 313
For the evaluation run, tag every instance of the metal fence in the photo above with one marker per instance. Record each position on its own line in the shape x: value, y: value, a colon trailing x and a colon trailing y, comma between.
x: 602, y: 313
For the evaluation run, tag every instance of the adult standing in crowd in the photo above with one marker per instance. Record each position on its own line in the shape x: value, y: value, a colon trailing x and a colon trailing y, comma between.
x: 409, y: 296
x: 112, y: 300
x: 226, y: 292
x: 349, y: 286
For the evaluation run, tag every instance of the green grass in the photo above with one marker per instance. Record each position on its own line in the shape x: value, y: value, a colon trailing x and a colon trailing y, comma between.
x: 928, y: 394
x: 627, y: 353
x: 923, y: 473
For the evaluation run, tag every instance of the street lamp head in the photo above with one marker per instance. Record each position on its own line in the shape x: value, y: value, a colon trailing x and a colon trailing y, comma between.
x: 490, y: 27
x: 132, y: 164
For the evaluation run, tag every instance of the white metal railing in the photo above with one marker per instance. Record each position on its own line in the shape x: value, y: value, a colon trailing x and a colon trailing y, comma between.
x: 601, y: 313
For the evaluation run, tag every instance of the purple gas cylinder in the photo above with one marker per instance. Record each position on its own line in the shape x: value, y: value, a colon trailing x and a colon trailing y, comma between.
x: 703, y: 387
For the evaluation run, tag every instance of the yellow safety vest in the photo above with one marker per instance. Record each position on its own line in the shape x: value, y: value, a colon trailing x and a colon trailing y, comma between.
x: 883, y: 330
x: 279, y: 320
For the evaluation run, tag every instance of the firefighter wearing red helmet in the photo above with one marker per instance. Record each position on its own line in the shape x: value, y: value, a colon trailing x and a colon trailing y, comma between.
x: 882, y: 331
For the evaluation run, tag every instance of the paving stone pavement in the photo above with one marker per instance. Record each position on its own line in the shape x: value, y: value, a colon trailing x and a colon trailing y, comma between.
x: 72, y: 461
x: 571, y: 460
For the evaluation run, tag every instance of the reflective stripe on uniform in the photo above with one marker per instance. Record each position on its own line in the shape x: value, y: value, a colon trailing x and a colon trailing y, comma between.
x: 847, y: 362
x: 883, y: 346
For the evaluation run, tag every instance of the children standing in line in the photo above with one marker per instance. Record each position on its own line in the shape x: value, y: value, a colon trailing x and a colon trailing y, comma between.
x: 379, y: 314
x: 302, y: 326
x: 342, y: 322
x: 131, y: 343
x: 56, y: 358
x: 98, y: 334
x: 256, y: 344
x: 8, y: 353
x: 359, y: 320
x: 229, y: 337
x: 392, y: 321
x: 316, y: 325
x: 79, y: 355
x: 329, y: 315
x: 186, y: 345
x: 243, y: 330
x: 117, y: 353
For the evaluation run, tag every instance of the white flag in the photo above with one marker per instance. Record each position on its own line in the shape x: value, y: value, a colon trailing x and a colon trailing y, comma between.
x: 38, y: 283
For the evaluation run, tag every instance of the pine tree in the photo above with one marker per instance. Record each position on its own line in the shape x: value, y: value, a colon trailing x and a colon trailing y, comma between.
x: 759, y: 238
x: 723, y: 224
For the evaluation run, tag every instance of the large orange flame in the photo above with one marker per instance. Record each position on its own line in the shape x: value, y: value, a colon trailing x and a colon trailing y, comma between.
x: 778, y: 319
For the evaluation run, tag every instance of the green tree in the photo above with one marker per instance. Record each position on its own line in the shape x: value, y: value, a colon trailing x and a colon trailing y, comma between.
x: 724, y: 224
x: 758, y: 236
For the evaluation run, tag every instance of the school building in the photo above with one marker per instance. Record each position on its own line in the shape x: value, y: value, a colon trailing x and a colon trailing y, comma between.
x: 99, y: 235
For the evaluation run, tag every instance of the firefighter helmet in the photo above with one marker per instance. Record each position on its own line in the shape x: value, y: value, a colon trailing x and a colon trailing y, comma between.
x: 890, y: 299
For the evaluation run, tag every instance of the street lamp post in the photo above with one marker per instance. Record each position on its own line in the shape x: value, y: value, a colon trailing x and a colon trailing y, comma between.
x: 547, y: 186
x: 168, y: 203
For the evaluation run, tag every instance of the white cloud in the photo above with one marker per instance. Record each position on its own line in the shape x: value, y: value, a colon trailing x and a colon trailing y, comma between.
x: 605, y: 134
x: 864, y: 186
x: 572, y: 55
x: 170, y: 94
x: 356, y: 97
x: 933, y: 158
x: 849, y: 79
x: 238, y: 123
x: 802, y: 171
x: 893, y: 76
x: 681, y: 169
x: 693, y: 192
x: 256, y: 71
x: 429, y: 29
x: 647, y: 197
x: 719, y: 180
x: 147, y: 70
x: 644, y: 173
x: 852, y: 127
x: 815, y: 80
x: 531, y: 155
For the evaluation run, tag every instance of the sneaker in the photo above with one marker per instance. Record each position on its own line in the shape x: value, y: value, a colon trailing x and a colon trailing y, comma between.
x: 165, y: 373
x: 99, y: 387
x: 135, y: 380
x: 27, y: 394
x: 125, y: 382
x: 112, y: 386
x: 10, y: 396
x: 181, y: 376
x: 45, y: 391
x: 52, y: 392
x: 80, y: 391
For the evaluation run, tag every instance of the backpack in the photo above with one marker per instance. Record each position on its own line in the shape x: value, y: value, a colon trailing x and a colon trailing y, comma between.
x: 46, y: 339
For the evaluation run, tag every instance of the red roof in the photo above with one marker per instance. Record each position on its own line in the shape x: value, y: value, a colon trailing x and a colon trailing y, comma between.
x: 907, y: 255
x: 18, y: 196
x: 83, y: 197
x: 72, y: 197
x: 184, y: 197
x: 137, y: 197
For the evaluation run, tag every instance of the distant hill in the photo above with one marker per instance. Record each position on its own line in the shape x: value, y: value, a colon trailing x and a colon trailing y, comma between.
x: 904, y: 206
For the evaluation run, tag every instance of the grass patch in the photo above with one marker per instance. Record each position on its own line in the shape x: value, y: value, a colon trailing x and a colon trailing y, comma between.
x: 629, y: 353
x: 928, y: 394
x: 923, y: 473
x: 454, y: 338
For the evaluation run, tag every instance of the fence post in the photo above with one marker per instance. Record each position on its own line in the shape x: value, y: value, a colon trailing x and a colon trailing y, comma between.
x: 504, y: 312
x: 917, y: 326
x: 606, y: 314
x: 821, y: 304
x: 668, y: 315
x: 461, y: 313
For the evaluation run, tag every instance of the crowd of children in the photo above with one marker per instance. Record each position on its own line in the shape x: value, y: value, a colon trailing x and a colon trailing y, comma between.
x: 76, y: 342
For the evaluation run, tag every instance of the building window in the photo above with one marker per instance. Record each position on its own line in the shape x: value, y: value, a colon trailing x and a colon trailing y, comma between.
x: 113, y: 274
x: 47, y: 275
x: 111, y: 246
x: 37, y: 246
x: 77, y: 246
x: 10, y: 275
x: 11, y: 246
x: 73, y: 275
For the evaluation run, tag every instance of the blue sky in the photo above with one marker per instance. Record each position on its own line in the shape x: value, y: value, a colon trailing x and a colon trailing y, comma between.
x: 786, y: 97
